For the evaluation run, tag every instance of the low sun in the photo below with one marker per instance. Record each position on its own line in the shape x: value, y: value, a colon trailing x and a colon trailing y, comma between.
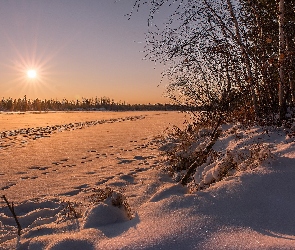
x: 32, y: 73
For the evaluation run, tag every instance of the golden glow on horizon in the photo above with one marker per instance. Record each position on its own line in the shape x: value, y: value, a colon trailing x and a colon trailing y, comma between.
x: 36, y: 75
x: 32, y: 73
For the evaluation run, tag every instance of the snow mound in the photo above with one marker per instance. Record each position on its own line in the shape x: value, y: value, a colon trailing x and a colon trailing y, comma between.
x: 104, y: 214
x: 73, y: 244
x: 166, y: 192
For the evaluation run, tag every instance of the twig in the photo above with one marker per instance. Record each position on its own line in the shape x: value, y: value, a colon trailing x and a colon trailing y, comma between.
x: 201, y: 159
x: 11, y: 208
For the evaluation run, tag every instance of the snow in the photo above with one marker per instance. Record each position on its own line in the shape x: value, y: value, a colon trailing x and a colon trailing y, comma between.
x: 101, y: 186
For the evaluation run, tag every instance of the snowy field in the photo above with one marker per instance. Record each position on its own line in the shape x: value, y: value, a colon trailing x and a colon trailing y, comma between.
x: 92, y: 180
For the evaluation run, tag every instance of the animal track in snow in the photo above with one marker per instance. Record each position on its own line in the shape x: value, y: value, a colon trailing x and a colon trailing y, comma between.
x: 16, y: 137
x: 9, y: 185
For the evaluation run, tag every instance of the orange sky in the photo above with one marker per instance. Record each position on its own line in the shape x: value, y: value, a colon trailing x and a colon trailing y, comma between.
x: 78, y: 49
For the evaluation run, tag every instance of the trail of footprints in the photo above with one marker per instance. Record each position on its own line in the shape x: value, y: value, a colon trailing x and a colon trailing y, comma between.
x: 144, y: 163
x: 23, y: 136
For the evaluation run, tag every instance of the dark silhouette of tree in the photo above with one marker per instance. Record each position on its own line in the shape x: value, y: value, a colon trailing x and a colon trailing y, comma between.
x: 229, y: 58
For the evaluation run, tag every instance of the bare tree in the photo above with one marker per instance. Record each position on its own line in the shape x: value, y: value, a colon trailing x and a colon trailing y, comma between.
x: 226, y: 56
x: 209, y: 65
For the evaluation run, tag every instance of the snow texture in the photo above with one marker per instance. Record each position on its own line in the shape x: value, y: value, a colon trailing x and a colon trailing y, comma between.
x: 56, y: 184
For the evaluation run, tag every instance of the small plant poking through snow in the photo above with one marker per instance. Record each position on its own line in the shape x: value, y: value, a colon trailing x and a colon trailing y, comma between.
x: 69, y: 211
x: 74, y: 210
x: 110, y: 197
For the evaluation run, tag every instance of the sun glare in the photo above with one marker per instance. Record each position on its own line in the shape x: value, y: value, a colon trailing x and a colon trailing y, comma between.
x: 31, y: 73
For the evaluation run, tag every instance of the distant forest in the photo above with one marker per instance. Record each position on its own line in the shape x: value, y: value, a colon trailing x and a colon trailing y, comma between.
x: 103, y: 103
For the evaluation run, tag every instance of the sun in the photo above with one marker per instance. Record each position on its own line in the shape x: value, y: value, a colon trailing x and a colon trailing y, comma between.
x: 32, y: 73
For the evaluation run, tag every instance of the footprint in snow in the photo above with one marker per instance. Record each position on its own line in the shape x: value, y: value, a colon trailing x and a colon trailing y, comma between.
x: 127, y: 178
x: 38, y: 168
x: 125, y: 161
x: 65, y: 159
x: 9, y: 185
x: 104, y: 180
x: 83, y: 186
x: 24, y: 177
x: 71, y: 193
x: 21, y: 172
x: 90, y: 172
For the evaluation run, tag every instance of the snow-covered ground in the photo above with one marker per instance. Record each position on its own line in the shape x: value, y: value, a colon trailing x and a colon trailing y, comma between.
x: 67, y: 186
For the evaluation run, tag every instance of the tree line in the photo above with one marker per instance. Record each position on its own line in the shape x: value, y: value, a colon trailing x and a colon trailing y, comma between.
x: 88, y: 104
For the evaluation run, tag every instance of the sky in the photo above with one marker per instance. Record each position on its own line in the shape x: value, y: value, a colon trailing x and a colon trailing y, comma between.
x: 79, y: 49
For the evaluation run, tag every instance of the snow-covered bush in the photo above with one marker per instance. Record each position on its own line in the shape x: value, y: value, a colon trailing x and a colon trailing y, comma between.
x: 234, y: 161
x: 237, y: 149
x: 181, y: 148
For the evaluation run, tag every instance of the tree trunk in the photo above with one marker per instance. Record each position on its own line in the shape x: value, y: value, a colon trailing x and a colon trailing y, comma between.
x: 289, y: 63
x: 245, y: 56
x: 282, y: 56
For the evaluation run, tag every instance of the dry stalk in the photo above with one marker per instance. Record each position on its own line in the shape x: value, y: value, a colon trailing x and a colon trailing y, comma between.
x: 11, y: 208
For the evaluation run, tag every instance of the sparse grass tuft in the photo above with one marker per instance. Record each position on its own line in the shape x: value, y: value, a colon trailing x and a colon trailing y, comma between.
x: 110, y: 197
